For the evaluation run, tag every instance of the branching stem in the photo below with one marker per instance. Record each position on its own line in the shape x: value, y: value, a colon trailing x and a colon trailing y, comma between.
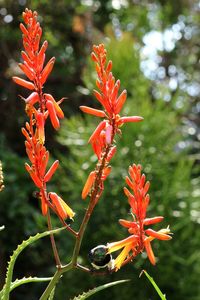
x: 53, y: 243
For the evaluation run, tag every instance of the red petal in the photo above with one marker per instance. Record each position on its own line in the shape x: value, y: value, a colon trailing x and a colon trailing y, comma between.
x: 88, y: 184
x: 120, y: 102
x: 51, y: 171
x: 59, y: 111
x: 146, y: 188
x: 106, y: 172
x: 44, y: 206
x: 27, y: 84
x: 127, y: 224
x: 23, y: 29
x: 149, y: 251
x: 102, y: 100
x: 109, y: 67
x: 115, y: 92
x: 158, y: 235
x: 97, y: 131
x: 150, y: 221
x: 108, y: 134
x: 42, y: 50
x: 130, y: 119
x: 40, y: 126
x: 92, y: 111
x: 94, y: 57
x: 26, y: 59
x: 47, y: 70
x: 111, y: 153
x: 27, y: 71
x: 35, y: 179
x: 32, y: 99
x: 44, y: 162
x: 62, y: 208
x: 52, y: 114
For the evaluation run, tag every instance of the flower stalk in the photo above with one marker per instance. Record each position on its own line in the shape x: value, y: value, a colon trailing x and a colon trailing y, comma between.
x: 38, y: 107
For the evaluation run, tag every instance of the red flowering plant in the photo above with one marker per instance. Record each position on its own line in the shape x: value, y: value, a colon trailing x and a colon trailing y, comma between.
x: 140, y: 238
x: 40, y: 106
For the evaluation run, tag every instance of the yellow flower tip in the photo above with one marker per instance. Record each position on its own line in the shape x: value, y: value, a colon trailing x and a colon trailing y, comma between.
x: 166, y: 230
x: 130, y: 241
x: 70, y: 213
x: 117, y: 267
x: 122, y: 256
x: 160, y: 235
x: 63, y: 210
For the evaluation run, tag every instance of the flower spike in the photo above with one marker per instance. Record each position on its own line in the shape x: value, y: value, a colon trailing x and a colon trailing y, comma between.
x: 39, y: 107
x: 107, y: 95
x: 140, y: 238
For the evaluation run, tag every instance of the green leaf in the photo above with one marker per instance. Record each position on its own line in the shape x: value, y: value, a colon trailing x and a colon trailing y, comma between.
x: 51, y: 297
x: 98, y: 289
x: 25, y: 280
x: 7, y: 287
x: 162, y: 296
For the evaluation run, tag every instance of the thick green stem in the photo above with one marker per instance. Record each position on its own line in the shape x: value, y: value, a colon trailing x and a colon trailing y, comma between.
x: 54, y: 281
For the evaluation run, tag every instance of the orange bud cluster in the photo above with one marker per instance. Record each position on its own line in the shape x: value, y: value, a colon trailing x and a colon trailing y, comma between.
x: 33, y: 67
x: 102, y: 139
x: 39, y: 106
x: 109, y: 98
x: 140, y: 237
x: 38, y: 156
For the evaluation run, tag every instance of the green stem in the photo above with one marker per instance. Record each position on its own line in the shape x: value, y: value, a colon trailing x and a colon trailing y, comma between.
x: 51, y: 285
x: 79, y: 236
x: 53, y: 243
x: 93, y: 201
x: 54, y: 281
x: 81, y: 232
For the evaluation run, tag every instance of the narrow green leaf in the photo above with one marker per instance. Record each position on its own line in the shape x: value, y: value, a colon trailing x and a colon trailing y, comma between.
x: 51, y: 296
x: 20, y: 248
x: 98, y: 289
x: 162, y: 296
x: 25, y: 280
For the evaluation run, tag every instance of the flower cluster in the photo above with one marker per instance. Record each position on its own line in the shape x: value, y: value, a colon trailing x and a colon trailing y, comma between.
x: 140, y: 238
x: 102, y: 139
x: 39, y: 106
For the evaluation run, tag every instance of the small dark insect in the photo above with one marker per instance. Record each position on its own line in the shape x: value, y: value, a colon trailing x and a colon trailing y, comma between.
x: 100, y: 258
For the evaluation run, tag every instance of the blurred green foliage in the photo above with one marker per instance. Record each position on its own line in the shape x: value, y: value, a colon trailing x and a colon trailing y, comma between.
x: 166, y: 143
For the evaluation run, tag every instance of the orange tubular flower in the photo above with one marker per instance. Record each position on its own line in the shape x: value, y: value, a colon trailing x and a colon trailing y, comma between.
x: 88, y: 184
x: 140, y: 238
x: 38, y: 107
x: 102, y: 139
x: 110, y: 100
x: 63, y: 210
